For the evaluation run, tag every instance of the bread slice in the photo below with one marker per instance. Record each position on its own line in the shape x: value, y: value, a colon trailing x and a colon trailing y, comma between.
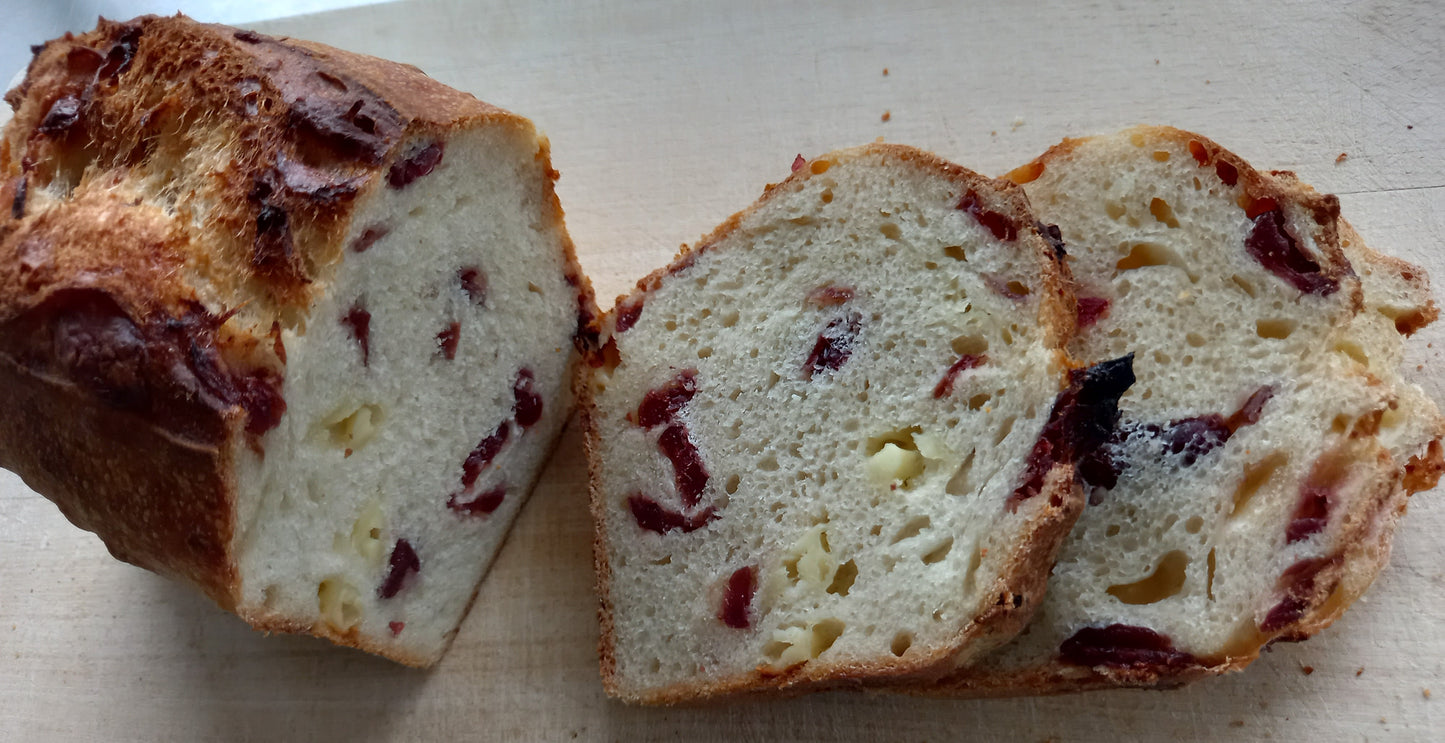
x: 1251, y: 490
x: 291, y: 324
x: 824, y: 442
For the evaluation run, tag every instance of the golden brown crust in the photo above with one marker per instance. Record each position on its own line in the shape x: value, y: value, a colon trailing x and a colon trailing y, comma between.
x: 1022, y: 580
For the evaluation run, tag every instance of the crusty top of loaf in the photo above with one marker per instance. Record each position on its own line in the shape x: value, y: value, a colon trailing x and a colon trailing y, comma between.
x: 240, y: 156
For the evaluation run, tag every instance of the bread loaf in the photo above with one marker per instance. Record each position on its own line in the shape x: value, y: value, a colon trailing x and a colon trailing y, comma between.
x: 1266, y: 451
x: 288, y: 323
x: 832, y: 441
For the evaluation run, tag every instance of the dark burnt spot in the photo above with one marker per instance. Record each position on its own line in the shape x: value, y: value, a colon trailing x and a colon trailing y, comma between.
x: 358, y: 321
x: 63, y: 114
x: 482, y: 505
x: 628, y: 311
x: 652, y: 516
x: 1226, y: 172
x: 402, y: 564
x: 17, y: 205
x: 830, y: 295
x: 1270, y: 243
x: 420, y: 163
x: 447, y: 340
x: 1123, y: 646
x: 688, y: 471
x: 527, y: 404
x: 1082, y: 420
x: 166, y: 369
x: 121, y: 53
x: 661, y: 405
x: 737, y: 601
x: 999, y: 224
x: 1054, y: 236
x: 1091, y: 310
x: 485, y: 451
x: 834, y: 345
x: 944, y: 388
x: 1299, y: 586
x: 273, y: 250
x: 368, y: 238
x: 474, y: 283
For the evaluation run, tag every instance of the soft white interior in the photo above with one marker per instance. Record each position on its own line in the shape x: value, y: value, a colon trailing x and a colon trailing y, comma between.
x: 322, y: 511
x: 1195, y: 552
x: 873, y: 512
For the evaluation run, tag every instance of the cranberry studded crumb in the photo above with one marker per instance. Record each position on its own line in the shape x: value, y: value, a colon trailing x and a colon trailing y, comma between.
x: 661, y: 405
x: 368, y: 237
x: 1270, y: 243
x: 474, y: 283
x: 482, y: 505
x: 1123, y: 646
x: 689, y: 473
x: 447, y: 340
x: 358, y: 321
x: 944, y: 388
x: 402, y: 564
x: 1091, y: 310
x: 396, y: 627
x: 628, y: 311
x: 652, y: 516
x: 424, y: 161
x: 1298, y: 583
x: 737, y: 599
x: 834, y: 345
x: 484, y: 453
x: 527, y: 405
x: 999, y: 224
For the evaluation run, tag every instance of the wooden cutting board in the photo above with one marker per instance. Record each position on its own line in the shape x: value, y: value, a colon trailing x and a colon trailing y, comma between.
x: 665, y: 117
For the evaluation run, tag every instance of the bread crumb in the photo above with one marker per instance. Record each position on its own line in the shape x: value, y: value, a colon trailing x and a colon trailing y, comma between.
x: 1206, y: 82
x: 887, y: 115
x: 1341, y: 158
x: 1425, y: 693
x: 1409, y: 126
x: 1236, y: 723
x: 878, y: 139
x: 1359, y: 671
x: 993, y: 133
x: 1156, y: 61
x: 885, y: 72
x: 1018, y: 122
x: 1307, y: 669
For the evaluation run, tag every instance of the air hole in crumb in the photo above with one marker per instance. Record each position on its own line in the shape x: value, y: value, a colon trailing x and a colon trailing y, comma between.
x: 1112, y: 531
x: 533, y: 288
x: 732, y: 484
x: 901, y: 642
x: 1145, y: 255
x: 1276, y: 329
x: 1194, y: 339
x: 843, y: 579
x: 1017, y: 288
x: 1004, y: 430
x: 890, y: 230
x: 769, y: 463
x: 1194, y: 524
x: 1353, y: 350
x: 1341, y: 424
x: 969, y: 345
x: 1166, y: 580
x: 978, y: 401
x: 937, y: 554
x: 1114, y: 209
x: 1255, y: 476
x: 1209, y: 579
x: 1163, y: 213
x: 911, y: 529
x: 955, y: 252
x: 970, y: 575
x: 1161, y: 155
x: 704, y: 352
x: 416, y: 212
x: 961, y: 482
x: 1243, y: 285
x: 827, y: 196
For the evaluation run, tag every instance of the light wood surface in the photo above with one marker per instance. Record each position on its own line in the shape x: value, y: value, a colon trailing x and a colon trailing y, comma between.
x: 665, y: 117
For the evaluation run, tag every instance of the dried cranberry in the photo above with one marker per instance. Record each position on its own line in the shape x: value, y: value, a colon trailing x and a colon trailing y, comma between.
x: 944, y: 388
x: 1248, y: 413
x: 829, y: 295
x: 1226, y: 172
x: 396, y: 627
x: 1083, y: 419
x: 737, y: 599
x: 419, y: 164
x: 799, y: 163
x: 1052, y: 234
x: 999, y: 224
x: 358, y: 320
x: 447, y: 340
x: 688, y: 470
x: 402, y: 564
x: 834, y: 345
x: 1270, y: 243
x: 1192, y: 438
x: 273, y: 251
x: 62, y: 115
x: 1298, y: 586
x: 661, y: 405
x: 1091, y: 310
x: 474, y: 283
x: 628, y: 310
x: 1101, y: 467
x: 527, y: 405
x: 483, y: 455
x: 1123, y: 646
x: 121, y: 53
x: 650, y: 515
x: 481, y: 505
x: 1312, y: 513
x: 368, y: 237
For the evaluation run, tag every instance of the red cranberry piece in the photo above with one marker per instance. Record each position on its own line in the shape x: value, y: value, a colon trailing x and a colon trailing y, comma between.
x: 62, y: 115
x: 689, y: 473
x: 402, y: 564
x: 834, y: 345
x: 944, y: 388
x: 368, y: 237
x: 1123, y: 646
x: 1271, y: 244
x: 481, y: 505
x: 799, y: 163
x: 118, y: 59
x: 1000, y: 225
x: 1092, y: 310
x: 1083, y: 419
x: 1312, y: 513
x: 396, y: 627
x: 423, y: 162
x: 1101, y: 467
x: 650, y: 515
x: 1226, y: 172
x: 1052, y: 234
x: 527, y: 405
x: 483, y: 455
x: 1298, y: 585
x: 1192, y: 438
x: 628, y: 310
x: 447, y: 340
x: 358, y: 320
x: 474, y: 283
x: 1248, y: 413
x: 737, y: 600
x: 661, y: 405
x: 829, y: 295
